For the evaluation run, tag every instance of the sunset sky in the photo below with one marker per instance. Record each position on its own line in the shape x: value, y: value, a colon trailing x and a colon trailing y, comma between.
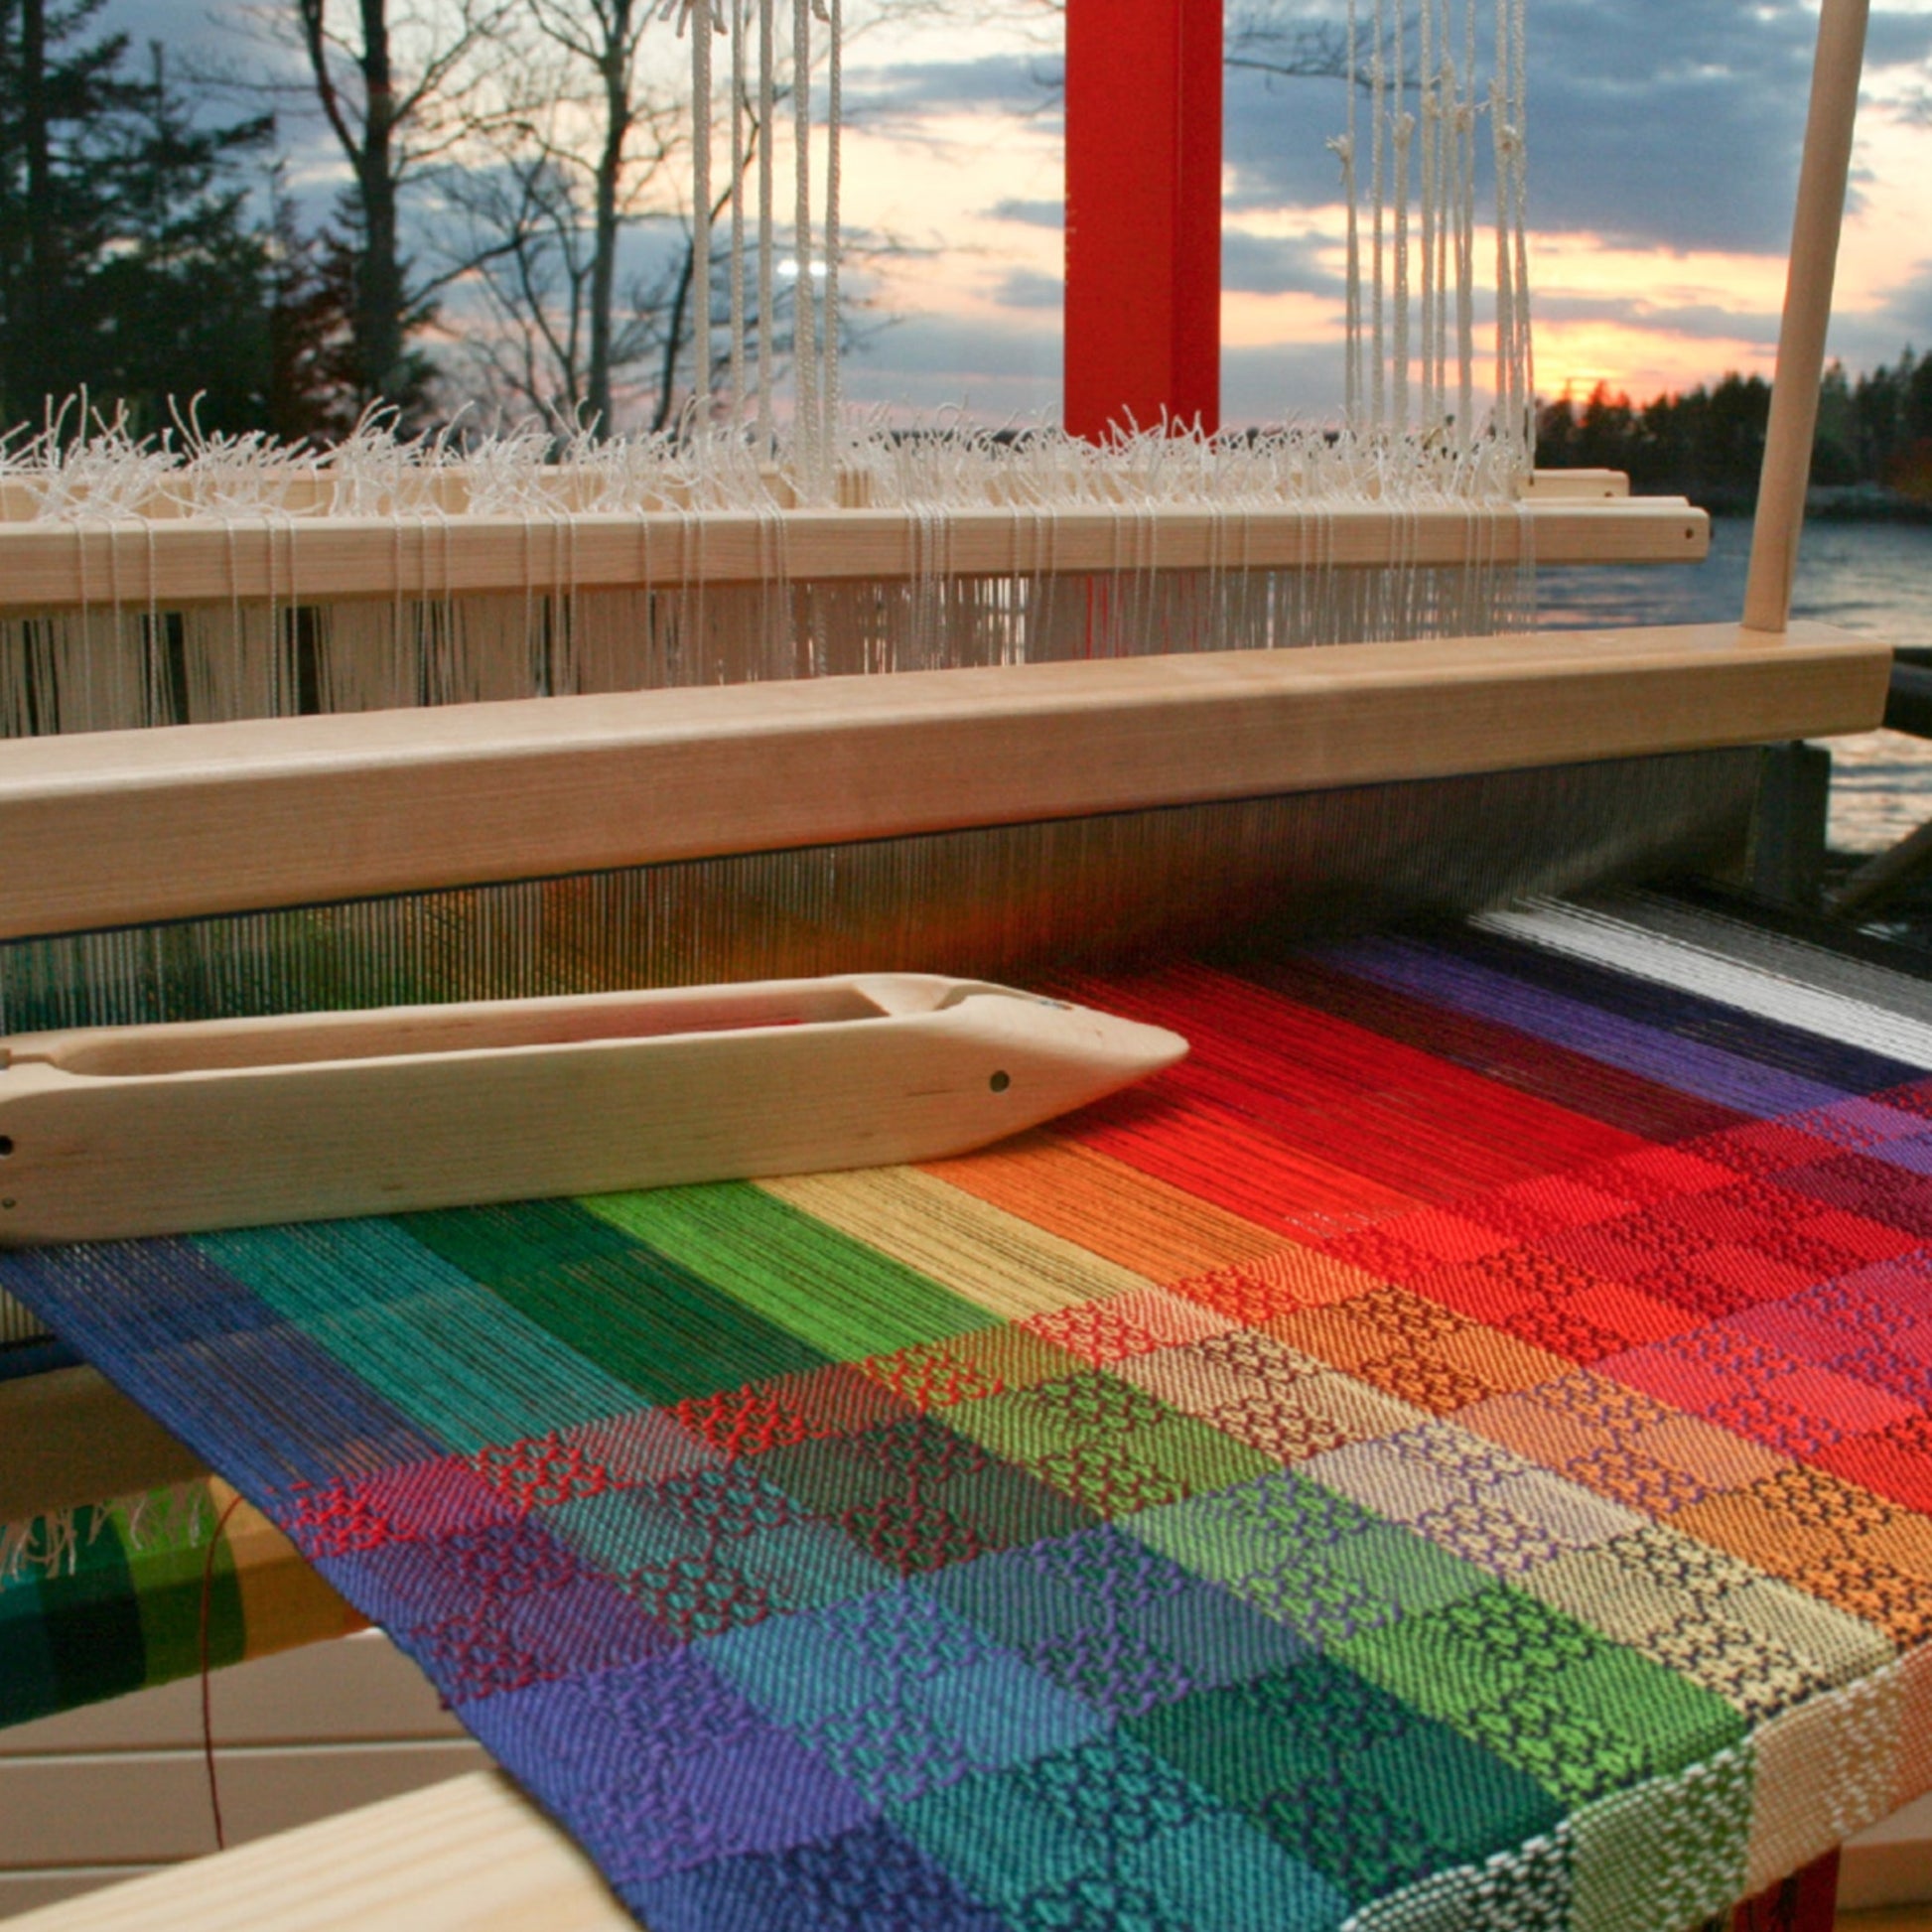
x: 1664, y: 141
x: 1663, y: 135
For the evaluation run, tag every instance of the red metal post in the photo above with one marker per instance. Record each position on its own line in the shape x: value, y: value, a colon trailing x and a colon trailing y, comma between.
x: 1142, y: 213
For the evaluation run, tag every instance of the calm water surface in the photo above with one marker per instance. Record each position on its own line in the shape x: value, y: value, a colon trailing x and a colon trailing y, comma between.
x: 1869, y: 576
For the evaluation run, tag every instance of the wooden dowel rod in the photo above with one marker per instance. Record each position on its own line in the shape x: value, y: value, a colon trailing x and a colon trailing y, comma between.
x: 122, y: 827
x: 1877, y: 879
x: 1822, y: 179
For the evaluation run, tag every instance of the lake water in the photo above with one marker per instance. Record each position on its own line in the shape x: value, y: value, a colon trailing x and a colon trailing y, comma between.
x: 1869, y: 576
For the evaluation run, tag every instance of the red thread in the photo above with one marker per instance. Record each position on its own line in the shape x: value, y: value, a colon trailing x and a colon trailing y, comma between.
x: 208, y: 1715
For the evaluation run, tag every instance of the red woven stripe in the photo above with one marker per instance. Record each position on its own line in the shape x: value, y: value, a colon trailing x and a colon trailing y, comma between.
x: 1217, y: 1157
x: 1579, y: 1085
x: 1377, y: 1108
x: 1269, y: 1038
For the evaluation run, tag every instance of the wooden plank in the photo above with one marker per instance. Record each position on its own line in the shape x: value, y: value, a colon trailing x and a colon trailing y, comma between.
x: 203, y: 819
x: 1548, y: 486
x: 122, y: 1807
x: 446, y: 492
x: 1891, y: 1863
x: 54, y: 566
x: 70, y: 1438
x: 25, y: 1892
x: 353, y: 1690
x: 465, y: 1856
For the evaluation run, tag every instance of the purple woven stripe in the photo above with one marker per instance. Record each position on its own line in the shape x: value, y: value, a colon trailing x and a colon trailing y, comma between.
x: 211, y: 1361
x: 1687, y: 1064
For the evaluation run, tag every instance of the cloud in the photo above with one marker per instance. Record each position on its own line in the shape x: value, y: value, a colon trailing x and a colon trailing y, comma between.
x: 927, y: 362
x: 1297, y: 379
x: 1253, y: 264
x: 1038, y: 215
x: 1653, y: 123
x: 1877, y: 336
x: 1897, y: 39
x: 903, y: 96
x: 1701, y: 320
x: 965, y: 351
x: 930, y: 361
x: 1027, y: 288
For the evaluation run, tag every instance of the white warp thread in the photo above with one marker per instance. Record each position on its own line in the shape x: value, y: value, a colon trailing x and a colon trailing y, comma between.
x: 1585, y: 935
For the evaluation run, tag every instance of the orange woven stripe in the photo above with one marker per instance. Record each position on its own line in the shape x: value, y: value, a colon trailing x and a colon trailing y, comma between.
x: 1109, y: 1209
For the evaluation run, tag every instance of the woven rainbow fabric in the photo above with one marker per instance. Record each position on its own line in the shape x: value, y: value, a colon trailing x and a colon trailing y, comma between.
x: 1454, y: 1454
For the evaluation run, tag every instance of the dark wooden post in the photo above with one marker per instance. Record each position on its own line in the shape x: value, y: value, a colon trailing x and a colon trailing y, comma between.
x: 1805, y: 1902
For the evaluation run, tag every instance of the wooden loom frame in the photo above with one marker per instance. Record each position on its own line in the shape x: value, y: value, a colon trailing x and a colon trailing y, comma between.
x: 450, y: 796
x: 456, y: 1855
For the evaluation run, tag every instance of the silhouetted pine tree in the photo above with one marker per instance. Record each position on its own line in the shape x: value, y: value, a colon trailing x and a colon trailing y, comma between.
x: 134, y: 261
x: 1709, y: 442
x: 59, y: 87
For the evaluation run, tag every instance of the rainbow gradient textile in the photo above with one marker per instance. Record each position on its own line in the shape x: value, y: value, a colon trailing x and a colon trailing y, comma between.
x: 1454, y: 1454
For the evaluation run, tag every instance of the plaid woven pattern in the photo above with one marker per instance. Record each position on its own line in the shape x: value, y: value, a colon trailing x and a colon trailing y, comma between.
x: 1454, y: 1453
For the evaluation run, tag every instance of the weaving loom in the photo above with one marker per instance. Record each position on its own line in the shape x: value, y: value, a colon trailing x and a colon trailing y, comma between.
x: 1452, y: 1455
x: 1446, y: 1456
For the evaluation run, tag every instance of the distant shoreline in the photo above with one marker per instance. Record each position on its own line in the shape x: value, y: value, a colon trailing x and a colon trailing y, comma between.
x: 1834, y: 504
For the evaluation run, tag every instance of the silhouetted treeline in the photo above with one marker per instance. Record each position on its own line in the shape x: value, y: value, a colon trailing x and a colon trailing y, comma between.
x: 1708, y: 443
x: 145, y: 251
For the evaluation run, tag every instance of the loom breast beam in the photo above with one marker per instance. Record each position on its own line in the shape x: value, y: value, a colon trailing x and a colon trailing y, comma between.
x: 122, y: 828
x: 114, y: 1131
x: 186, y: 560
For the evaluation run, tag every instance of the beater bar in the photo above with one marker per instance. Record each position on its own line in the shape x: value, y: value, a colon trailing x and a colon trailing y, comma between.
x: 115, y: 828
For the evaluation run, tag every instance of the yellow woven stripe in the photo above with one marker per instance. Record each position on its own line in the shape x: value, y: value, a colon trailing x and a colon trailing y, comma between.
x: 283, y: 1602
x: 993, y: 1258
x: 1107, y: 1208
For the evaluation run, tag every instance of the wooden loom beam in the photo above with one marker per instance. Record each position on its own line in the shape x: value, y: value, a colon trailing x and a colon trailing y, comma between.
x: 471, y: 1854
x: 72, y: 1440
x: 198, y: 819
x: 131, y: 565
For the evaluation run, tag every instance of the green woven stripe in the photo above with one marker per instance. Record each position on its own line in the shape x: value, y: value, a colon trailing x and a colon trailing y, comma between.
x: 172, y: 1573
x: 107, y: 1598
x: 1106, y: 1444
x: 784, y: 1266
x: 29, y: 1684
x: 381, y: 1303
x: 1394, y: 1793
x: 92, y: 1622
x: 650, y: 1322
x: 1581, y: 1715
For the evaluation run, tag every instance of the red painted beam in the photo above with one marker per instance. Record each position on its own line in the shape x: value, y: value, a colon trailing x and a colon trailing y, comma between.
x: 1805, y: 1902
x: 1142, y: 213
